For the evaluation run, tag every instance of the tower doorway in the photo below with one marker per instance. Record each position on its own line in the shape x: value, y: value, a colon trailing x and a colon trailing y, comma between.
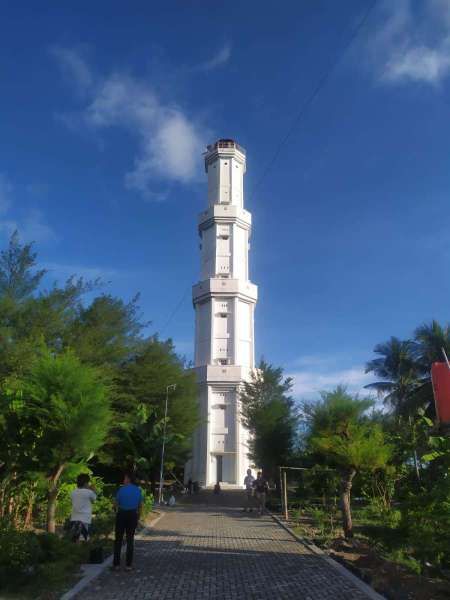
x: 219, y: 464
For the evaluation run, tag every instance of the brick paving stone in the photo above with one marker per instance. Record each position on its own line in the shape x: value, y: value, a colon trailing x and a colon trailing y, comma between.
x: 200, y: 552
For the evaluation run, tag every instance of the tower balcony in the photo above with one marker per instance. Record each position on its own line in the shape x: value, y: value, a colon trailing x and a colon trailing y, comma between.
x: 223, y: 287
x: 224, y: 213
x: 225, y: 375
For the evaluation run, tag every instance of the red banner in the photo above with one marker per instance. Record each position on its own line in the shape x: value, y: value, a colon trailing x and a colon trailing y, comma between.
x: 440, y: 376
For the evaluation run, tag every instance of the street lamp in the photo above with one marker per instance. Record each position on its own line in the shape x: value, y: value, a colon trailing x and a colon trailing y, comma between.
x: 161, y: 473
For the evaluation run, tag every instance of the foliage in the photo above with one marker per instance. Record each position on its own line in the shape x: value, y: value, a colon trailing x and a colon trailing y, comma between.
x: 60, y: 414
x: 30, y: 562
x: 344, y: 437
x: 18, y: 279
x: 81, y: 389
x: 139, y: 407
x: 20, y: 552
x: 342, y: 434
x: 103, y: 508
x: 319, y: 483
x: 147, y: 504
x: 271, y: 417
x: 397, y: 367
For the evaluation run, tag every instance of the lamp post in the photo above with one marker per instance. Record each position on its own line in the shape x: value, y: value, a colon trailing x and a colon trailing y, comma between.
x: 161, y: 472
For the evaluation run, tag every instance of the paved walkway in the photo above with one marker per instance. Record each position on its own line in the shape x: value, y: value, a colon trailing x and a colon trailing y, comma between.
x: 203, y: 552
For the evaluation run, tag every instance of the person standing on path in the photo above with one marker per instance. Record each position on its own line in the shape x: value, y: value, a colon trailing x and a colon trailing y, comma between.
x: 129, y: 502
x: 261, y: 488
x: 81, y: 517
x: 248, y: 482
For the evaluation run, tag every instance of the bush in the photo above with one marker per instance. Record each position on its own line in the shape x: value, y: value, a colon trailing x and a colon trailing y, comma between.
x: 20, y: 552
x: 31, y: 563
x: 147, y: 505
x: 426, y: 523
x: 52, y: 547
x: 325, y: 522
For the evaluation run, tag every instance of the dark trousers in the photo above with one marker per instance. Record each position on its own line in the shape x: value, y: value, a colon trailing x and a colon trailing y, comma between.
x: 126, y: 522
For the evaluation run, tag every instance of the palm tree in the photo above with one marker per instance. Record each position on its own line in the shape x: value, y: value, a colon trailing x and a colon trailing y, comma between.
x: 431, y: 339
x: 399, y: 371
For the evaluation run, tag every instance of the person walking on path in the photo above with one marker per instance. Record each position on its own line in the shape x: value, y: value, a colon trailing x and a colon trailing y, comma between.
x: 248, y: 483
x: 261, y: 488
x: 81, y: 517
x: 129, y: 502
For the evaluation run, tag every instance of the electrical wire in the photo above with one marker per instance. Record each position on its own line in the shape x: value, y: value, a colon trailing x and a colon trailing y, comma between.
x: 175, y: 310
x: 298, y: 117
x: 315, y: 92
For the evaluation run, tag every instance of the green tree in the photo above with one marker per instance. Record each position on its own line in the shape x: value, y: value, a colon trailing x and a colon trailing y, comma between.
x: 18, y: 277
x: 106, y: 332
x: 432, y: 338
x: 62, y: 413
x: 139, y: 408
x: 269, y: 413
x: 401, y: 378
x: 346, y: 438
x: 398, y: 370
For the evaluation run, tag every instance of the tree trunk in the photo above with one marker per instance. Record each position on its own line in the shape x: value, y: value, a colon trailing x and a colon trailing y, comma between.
x: 346, y: 486
x: 51, y: 499
x: 29, y: 514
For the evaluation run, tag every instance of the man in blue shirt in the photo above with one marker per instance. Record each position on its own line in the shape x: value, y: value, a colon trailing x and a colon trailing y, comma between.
x: 129, y: 502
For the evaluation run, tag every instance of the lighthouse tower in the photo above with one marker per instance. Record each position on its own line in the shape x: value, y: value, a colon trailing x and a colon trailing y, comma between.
x: 224, y: 302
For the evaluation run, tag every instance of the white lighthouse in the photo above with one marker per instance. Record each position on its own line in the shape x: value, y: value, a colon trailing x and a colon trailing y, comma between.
x: 224, y: 302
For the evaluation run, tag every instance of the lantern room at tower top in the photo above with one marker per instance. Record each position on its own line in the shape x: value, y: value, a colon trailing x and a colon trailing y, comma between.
x: 225, y: 166
x: 224, y: 302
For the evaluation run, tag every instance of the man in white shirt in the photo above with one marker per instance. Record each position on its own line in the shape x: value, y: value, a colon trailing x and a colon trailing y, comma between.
x: 248, y: 482
x: 82, y: 498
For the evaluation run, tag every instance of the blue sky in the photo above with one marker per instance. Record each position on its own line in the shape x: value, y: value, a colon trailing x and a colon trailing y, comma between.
x: 106, y: 108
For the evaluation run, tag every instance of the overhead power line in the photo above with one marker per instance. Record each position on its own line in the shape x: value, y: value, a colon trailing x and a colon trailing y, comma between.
x: 298, y: 117
x: 315, y: 92
x: 175, y: 310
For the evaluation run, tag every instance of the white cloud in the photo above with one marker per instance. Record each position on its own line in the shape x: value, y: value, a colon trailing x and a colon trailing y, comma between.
x: 307, y: 383
x: 169, y: 140
x: 313, y: 374
x: 31, y: 227
x: 30, y: 224
x: 34, y: 228
x: 218, y: 60
x: 74, y: 67
x: 412, y: 46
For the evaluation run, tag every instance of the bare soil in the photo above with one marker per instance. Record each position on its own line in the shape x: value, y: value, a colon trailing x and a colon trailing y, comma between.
x: 391, y: 580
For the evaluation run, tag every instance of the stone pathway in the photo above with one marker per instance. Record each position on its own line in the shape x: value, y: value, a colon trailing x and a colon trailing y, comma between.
x: 205, y: 552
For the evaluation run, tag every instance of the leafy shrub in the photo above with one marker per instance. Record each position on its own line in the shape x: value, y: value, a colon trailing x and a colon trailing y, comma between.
x: 324, y: 522
x: 147, y: 505
x: 20, y: 552
x: 295, y: 514
x: 400, y: 557
x: 31, y: 562
x: 52, y: 547
x: 426, y: 522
